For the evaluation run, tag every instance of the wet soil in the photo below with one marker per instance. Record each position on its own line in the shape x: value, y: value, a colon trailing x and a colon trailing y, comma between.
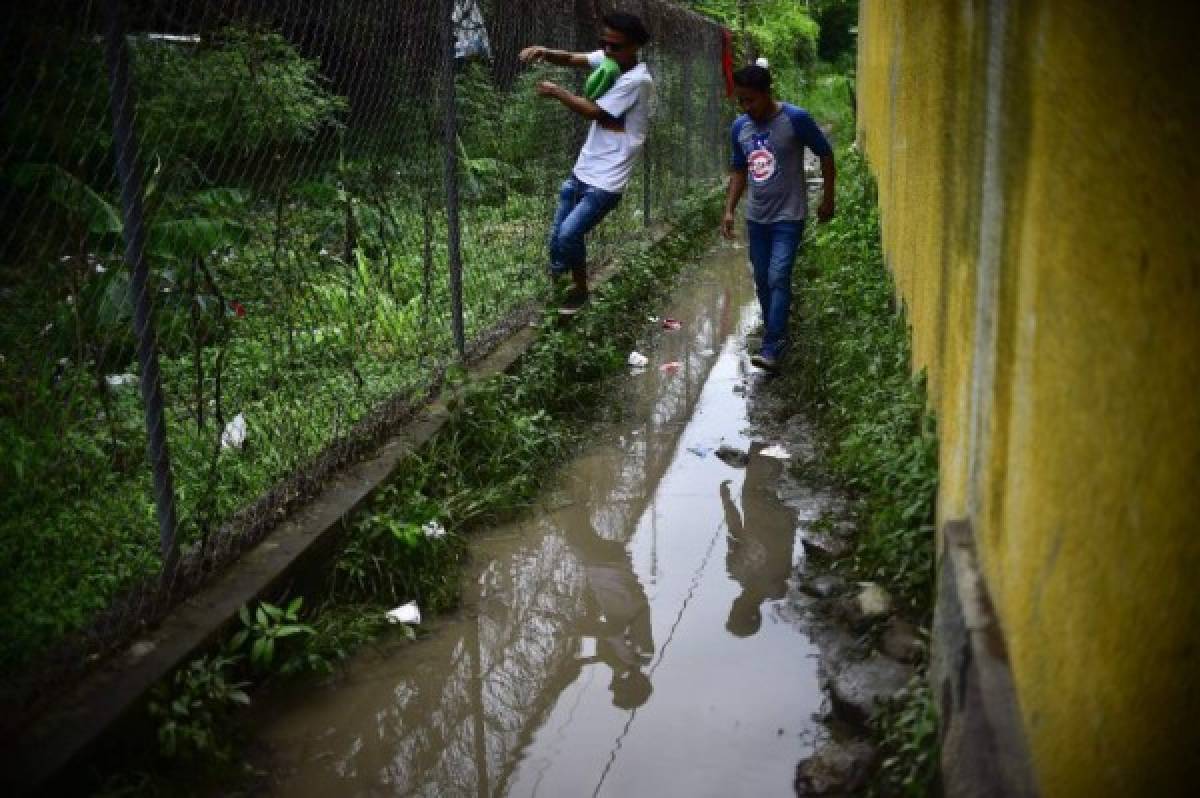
x: 633, y: 635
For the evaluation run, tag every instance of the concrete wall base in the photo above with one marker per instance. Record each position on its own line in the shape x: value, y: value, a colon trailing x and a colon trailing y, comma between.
x: 983, y: 748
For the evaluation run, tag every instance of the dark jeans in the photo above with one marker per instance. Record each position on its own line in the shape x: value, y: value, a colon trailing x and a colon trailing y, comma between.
x: 773, y: 249
x: 580, y: 208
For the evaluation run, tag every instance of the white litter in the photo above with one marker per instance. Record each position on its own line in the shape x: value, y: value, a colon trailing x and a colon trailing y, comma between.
x: 234, y: 434
x: 120, y: 380
x: 409, y: 613
x: 434, y: 530
x: 776, y: 451
x: 707, y: 353
x: 637, y: 359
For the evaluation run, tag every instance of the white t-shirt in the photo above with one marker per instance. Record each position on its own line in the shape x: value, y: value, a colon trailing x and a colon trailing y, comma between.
x: 606, y: 160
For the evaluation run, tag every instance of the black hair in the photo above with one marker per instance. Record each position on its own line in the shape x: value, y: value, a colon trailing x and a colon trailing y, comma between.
x: 753, y: 77
x: 628, y: 24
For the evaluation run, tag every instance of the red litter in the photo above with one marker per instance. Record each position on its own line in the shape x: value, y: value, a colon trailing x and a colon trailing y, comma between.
x: 671, y: 324
x: 670, y: 368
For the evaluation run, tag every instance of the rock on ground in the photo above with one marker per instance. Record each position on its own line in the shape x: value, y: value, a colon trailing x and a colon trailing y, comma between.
x: 823, y: 586
x: 858, y: 689
x: 902, y: 641
x: 870, y: 604
x: 835, y: 769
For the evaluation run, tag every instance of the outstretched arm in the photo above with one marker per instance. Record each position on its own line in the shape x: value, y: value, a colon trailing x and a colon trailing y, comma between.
x: 537, y: 53
x: 580, y: 105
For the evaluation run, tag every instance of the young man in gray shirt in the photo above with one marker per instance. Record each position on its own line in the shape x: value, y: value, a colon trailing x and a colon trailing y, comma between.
x: 768, y: 157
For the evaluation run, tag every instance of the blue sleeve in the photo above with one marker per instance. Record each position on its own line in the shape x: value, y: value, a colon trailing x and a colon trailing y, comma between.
x: 737, y: 160
x: 809, y: 134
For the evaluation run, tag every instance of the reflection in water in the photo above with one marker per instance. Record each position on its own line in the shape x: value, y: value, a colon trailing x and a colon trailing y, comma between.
x: 596, y: 655
x: 760, y: 538
x: 617, y: 616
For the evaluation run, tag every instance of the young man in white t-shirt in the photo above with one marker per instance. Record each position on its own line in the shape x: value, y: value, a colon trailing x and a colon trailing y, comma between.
x: 620, y: 119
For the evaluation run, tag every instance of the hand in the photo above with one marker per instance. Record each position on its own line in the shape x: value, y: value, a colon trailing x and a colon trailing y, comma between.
x: 532, y: 53
x: 727, y: 226
x: 547, y: 89
x: 825, y: 210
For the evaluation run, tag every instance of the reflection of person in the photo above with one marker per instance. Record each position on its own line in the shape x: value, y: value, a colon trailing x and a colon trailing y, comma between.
x: 618, y: 616
x: 768, y: 156
x: 620, y: 120
x: 759, y: 555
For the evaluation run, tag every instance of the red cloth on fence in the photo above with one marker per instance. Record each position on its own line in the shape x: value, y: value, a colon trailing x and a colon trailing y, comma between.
x: 727, y: 59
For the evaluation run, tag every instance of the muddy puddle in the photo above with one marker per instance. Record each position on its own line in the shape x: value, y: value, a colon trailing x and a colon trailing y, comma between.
x: 630, y: 637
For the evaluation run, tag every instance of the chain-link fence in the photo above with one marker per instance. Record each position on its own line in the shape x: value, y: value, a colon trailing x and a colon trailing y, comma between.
x: 243, y: 239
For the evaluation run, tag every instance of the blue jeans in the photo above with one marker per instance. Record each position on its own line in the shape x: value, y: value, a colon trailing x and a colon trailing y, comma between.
x: 773, y: 249
x: 580, y: 208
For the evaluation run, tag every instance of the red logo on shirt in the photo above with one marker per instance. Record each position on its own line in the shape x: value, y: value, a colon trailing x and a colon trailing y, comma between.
x: 761, y: 164
x: 761, y: 161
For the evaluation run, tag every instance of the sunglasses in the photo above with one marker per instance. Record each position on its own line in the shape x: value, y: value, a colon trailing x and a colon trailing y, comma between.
x: 606, y: 45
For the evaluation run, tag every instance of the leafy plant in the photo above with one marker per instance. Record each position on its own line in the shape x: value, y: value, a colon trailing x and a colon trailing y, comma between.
x: 265, y: 628
x: 906, y: 734
x: 192, y: 708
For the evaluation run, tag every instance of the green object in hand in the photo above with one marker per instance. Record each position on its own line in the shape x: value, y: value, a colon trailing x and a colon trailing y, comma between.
x: 602, y: 79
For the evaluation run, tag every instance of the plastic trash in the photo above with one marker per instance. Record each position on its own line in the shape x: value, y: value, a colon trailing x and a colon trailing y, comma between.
x: 776, y: 451
x: 408, y: 613
x: 234, y: 434
x: 637, y: 359
x: 652, y: 319
x: 670, y: 368
x: 434, y: 530
x: 120, y: 380
x: 671, y: 324
x: 707, y: 353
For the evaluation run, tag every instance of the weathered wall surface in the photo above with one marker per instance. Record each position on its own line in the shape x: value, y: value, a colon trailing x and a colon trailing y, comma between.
x: 1039, y: 173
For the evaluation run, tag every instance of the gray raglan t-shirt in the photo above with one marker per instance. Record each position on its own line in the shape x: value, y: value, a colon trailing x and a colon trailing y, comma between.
x: 772, y: 154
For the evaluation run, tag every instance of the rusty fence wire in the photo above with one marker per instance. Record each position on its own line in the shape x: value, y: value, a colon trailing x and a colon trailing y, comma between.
x: 242, y: 240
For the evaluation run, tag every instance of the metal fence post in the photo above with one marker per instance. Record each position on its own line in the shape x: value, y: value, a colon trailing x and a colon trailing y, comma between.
x: 134, y: 231
x: 450, y: 158
x: 688, y: 89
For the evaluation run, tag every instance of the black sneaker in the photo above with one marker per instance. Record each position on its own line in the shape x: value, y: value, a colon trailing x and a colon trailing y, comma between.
x: 765, y: 362
x: 573, y: 302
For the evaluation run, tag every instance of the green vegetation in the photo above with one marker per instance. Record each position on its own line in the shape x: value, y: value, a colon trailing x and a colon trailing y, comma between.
x: 850, y: 344
x: 906, y: 734
x: 851, y: 368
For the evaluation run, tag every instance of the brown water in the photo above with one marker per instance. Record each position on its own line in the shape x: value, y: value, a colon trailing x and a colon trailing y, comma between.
x: 630, y: 637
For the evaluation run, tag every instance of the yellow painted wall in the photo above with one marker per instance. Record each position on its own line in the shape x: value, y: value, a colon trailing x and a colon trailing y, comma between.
x: 1039, y: 181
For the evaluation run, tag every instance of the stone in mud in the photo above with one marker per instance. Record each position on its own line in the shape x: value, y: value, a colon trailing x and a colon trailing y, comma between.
x: 823, y: 586
x: 870, y: 604
x: 835, y: 769
x: 873, y: 601
x: 901, y: 641
x: 733, y: 456
x: 824, y: 548
x: 859, y: 689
